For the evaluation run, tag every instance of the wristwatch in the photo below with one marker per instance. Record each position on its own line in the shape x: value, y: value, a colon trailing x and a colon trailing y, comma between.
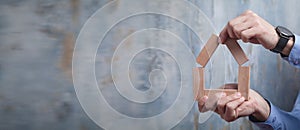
x: 284, y: 36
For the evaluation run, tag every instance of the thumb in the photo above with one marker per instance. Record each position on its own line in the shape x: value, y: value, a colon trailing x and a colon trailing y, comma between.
x: 201, y: 103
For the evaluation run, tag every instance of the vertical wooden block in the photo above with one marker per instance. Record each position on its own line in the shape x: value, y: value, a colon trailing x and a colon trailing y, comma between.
x: 201, y: 83
x: 208, y: 50
x: 198, y: 80
x: 236, y: 51
x: 244, y: 81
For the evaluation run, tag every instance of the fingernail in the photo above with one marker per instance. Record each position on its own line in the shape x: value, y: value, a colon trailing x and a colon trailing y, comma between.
x: 205, y: 98
x: 242, y: 99
x: 219, y: 40
x: 223, y: 94
x: 238, y: 94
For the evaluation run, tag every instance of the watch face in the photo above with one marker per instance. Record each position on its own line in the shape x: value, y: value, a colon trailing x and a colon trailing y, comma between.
x: 284, y: 31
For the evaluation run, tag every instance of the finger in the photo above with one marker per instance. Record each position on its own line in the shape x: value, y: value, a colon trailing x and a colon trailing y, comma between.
x: 229, y: 118
x: 248, y: 34
x: 245, y: 109
x: 238, y: 24
x: 230, y: 32
x: 223, y: 101
x: 221, y: 95
x: 223, y: 35
x: 254, y: 41
x: 238, y: 28
x: 247, y: 12
x: 211, y: 102
x: 230, y: 112
x: 240, y: 20
x: 201, y: 103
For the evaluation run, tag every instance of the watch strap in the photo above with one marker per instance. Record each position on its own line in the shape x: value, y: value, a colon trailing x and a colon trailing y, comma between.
x: 280, y: 45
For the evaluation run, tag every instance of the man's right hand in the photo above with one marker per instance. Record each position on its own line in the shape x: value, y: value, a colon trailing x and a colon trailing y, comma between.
x: 250, y: 28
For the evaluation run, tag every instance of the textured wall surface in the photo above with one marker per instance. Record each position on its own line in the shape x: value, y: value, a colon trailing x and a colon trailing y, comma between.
x: 37, y: 38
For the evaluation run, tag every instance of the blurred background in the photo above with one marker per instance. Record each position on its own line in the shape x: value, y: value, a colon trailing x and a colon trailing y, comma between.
x: 37, y: 39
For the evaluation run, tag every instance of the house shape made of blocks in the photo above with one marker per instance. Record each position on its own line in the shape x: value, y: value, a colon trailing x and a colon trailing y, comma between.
x: 203, y: 58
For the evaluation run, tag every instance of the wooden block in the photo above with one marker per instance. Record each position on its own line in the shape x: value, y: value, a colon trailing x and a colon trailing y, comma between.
x: 244, y: 81
x: 203, y: 58
x: 208, y: 50
x: 198, y: 79
x: 214, y: 91
x: 236, y: 51
x: 201, y: 83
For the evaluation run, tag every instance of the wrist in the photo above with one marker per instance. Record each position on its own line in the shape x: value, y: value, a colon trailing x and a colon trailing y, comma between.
x: 285, y: 42
x: 287, y: 49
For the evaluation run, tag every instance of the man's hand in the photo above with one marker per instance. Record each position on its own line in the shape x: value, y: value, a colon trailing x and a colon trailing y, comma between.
x: 234, y: 106
x: 250, y: 28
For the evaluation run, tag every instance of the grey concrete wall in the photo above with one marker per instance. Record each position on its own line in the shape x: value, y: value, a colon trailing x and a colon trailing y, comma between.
x: 37, y: 38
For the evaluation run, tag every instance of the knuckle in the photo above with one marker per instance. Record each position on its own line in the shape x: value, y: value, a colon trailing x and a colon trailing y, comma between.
x: 228, y: 98
x: 263, y: 32
x: 251, y: 13
x: 256, y: 22
x: 220, y: 103
x: 260, y: 34
x: 231, y: 97
x: 243, y: 34
x: 230, y: 23
x: 229, y: 107
x: 236, y: 29
x: 248, y: 12
x: 254, y: 15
